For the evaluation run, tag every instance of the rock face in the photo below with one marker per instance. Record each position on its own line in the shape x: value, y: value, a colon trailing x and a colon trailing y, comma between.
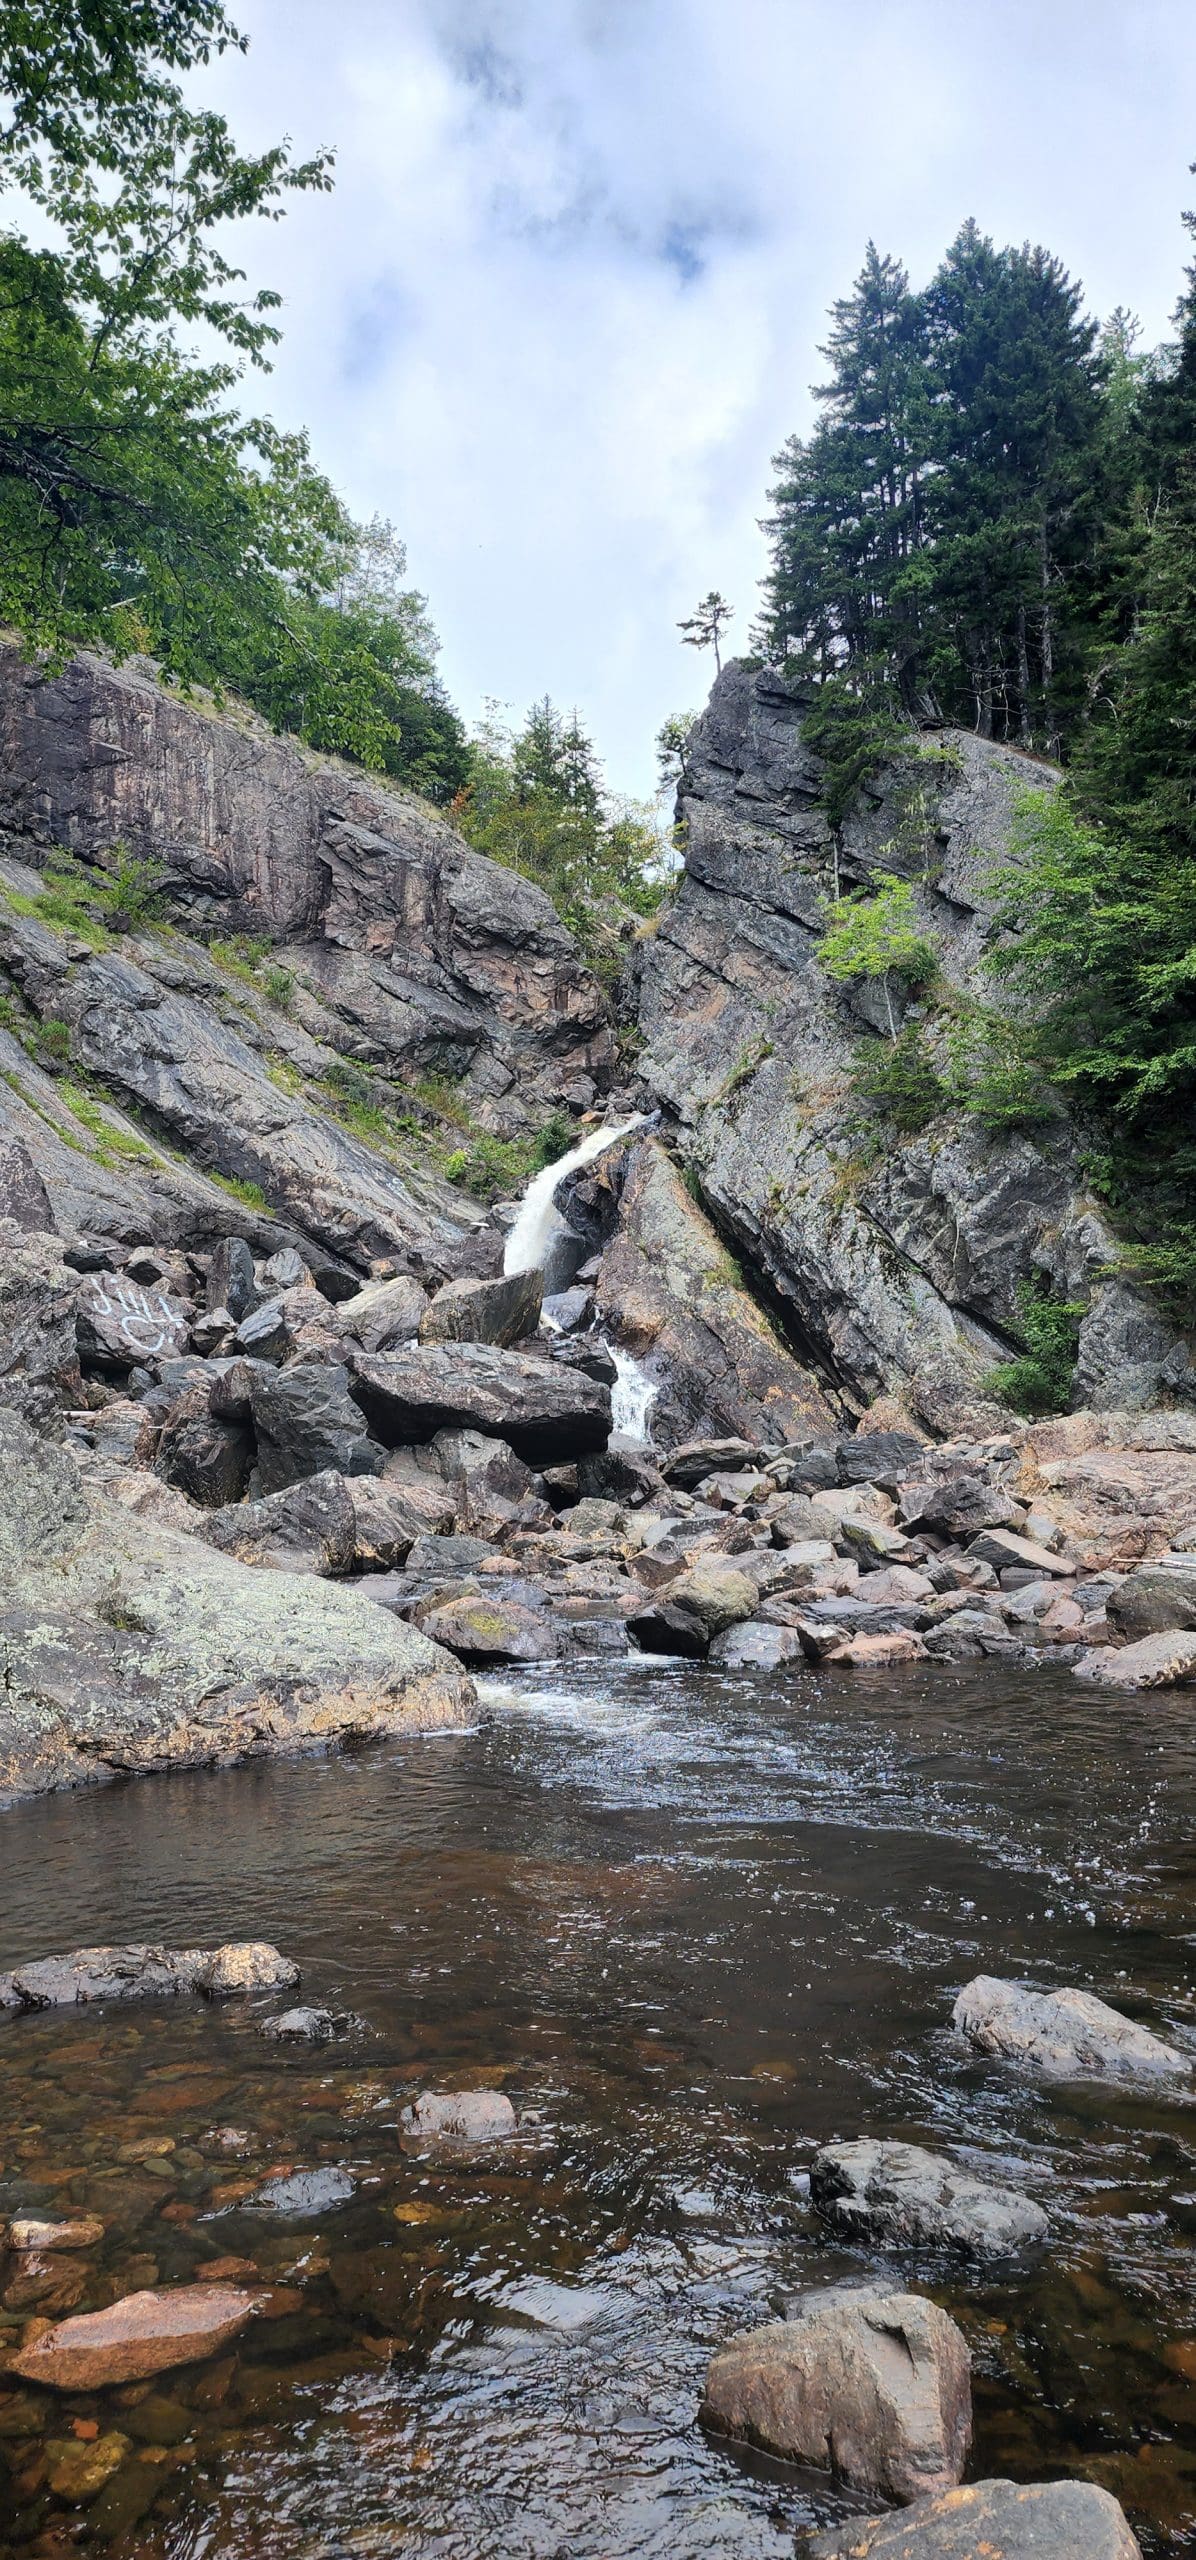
x: 145, y: 2333
x: 1003, y: 2519
x: 897, y: 1266
x: 871, y: 2385
x: 501, y: 1311
x: 672, y: 1296
x: 1065, y: 2034
x: 130, y: 1647
x: 421, y: 948
x: 894, y: 2191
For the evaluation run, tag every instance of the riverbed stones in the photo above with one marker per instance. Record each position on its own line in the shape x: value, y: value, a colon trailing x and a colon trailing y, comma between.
x: 143, y: 2334
x: 871, y: 2384
x: 243, y: 1966
x: 543, y: 1411
x: 481, y: 1627
x: 1064, y: 2034
x: 460, y: 2115
x: 501, y: 1311
x: 307, y: 2026
x: 897, y: 2191
x: 1003, y: 2519
x: 26, y: 2231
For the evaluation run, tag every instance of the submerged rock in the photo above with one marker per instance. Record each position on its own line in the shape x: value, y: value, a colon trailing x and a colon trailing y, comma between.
x: 460, y: 2115
x: 306, y: 2193
x: 307, y: 2026
x: 870, y: 2384
x: 1004, y: 2519
x: 896, y: 2191
x: 1065, y: 2034
x: 145, y: 2333
x: 83, y: 2231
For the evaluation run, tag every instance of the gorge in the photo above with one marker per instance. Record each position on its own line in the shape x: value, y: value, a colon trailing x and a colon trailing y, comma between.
x: 589, y: 1413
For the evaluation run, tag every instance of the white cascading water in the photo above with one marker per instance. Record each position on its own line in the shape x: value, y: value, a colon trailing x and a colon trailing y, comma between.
x: 539, y: 1221
x: 530, y: 1243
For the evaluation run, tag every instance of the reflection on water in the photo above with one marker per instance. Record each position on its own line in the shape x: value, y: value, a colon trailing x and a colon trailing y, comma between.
x: 692, y: 1926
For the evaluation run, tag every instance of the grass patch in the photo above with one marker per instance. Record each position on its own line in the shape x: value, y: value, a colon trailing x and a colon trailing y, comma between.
x: 250, y: 1194
x: 114, y: 1145
x: 240, y: 957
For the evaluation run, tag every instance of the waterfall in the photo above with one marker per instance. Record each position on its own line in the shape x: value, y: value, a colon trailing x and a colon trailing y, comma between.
x: 630, y: 1396
x: 539, y: 1222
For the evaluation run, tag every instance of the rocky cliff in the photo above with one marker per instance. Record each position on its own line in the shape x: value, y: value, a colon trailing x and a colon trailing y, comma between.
x: 894, y: 1261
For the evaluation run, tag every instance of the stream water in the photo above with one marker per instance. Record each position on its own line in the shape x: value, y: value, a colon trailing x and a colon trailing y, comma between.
x: 692, y: 1924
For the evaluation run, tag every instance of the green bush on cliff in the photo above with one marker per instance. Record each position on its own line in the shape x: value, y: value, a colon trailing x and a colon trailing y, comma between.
x: 1040, y: 1380
x: 900, y: 1080
x: 878, y: 935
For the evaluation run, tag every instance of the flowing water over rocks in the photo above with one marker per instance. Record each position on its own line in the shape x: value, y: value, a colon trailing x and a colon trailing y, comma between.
x: 693, y: 1926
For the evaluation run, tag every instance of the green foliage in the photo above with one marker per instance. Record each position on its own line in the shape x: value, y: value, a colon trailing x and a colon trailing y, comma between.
x: 491, y: 1166
x: 900, y: 1081
x: 1040, y: 1381
x: 241, y: 956
x: 995, y: 1072
x: 537, y: 803
x: 279, y: 985
x: 114, y: 1145
x: 132, y: 890
x: 52, y: 1038
x: 853, y: 725
x: 250, y: 1194
x: 703, y: 629
x: 877, y: 934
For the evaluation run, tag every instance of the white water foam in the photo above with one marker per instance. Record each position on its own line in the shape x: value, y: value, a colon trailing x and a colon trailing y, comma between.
x: 539, y: 1221
x: 631, y: 1396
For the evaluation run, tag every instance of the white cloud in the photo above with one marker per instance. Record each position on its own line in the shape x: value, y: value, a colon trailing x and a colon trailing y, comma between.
x: 565, y: 301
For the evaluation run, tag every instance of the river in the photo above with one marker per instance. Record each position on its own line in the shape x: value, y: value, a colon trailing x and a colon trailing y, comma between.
x: 693, y: 1924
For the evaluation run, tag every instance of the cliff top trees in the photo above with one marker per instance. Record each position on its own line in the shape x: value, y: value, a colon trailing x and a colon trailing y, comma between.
x: 703, y: 628
x: 924, y: 537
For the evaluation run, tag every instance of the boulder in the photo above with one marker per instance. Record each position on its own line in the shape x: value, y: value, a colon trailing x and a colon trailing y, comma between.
x: 145, y: 1973
x: 757, y: 1645
x: 485, y: 1627
x: 501, y: 1311
x: 871, y: 2384
x: 460, y: 2115
x: 490, y: 1486
x: 569, y: 1310
x: 1000, y: 1548
x: 83, y: 2231
x: 542, y: 1411
x: 690, y: 1464
x: 128, y: 1646
x: 1155, y: 1598
x: 387, y: 1520
x: 878, y: 1457
x: 119, y: 1325
x: 1155, y: 1662
x: 39, y: 1357
x: 306, y: 2026
x: 143, y: 2334
x: 876, y: 1652
x: 896, y: 2191
x: 960, y: 1505
x: 1064, y: 2034
x: 667, y: 1626
x: 716, y: 1593
x: 310, y: 1527
x: 387, y: 1313
x: 230, y: 1280
x: 306, y: 1421
x: 1003, y: 2519
x: 209, y: 1461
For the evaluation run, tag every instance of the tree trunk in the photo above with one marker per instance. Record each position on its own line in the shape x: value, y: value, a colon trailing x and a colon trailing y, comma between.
x: 1025, y: 735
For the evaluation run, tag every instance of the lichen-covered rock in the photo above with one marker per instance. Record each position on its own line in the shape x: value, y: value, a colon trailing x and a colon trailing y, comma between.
x: 310, y: 1527
x: 897, y: 2191
x: 1155, y: 1598
x: 871, y: 2384
x: 1003, y: 2519
x: 1155, y: 1662
x: 39, y: 1356
x: 485, y: 1627
x: 129, y: 1647
x: 1064, y: 2034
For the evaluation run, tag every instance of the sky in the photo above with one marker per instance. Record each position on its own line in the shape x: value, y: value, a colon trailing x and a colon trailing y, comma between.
x: 565, y: 301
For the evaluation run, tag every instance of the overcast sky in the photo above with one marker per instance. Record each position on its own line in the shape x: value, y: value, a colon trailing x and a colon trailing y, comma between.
x: 566, y: 299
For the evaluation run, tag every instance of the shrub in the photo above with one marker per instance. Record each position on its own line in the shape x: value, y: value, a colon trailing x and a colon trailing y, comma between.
x: 901, y: 1081
x: 279, y: 985
x: 995, y: 1076
x: 1040, y: 1380
x: 878, y: 935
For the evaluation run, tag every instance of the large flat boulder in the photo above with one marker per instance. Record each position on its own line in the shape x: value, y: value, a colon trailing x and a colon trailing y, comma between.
x: 143, y: 2334
x: 1155, y: 1598
x: 897, y: 2191
x: 545, y: 1413
x: 1001, y: 2519
x: 1064, y: 2034
x: 131, y: 1647
x: 871, y: 2384
x: 306, y: 1420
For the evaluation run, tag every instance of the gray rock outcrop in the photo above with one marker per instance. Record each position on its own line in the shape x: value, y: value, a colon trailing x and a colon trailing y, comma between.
x: 898, y: 1265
